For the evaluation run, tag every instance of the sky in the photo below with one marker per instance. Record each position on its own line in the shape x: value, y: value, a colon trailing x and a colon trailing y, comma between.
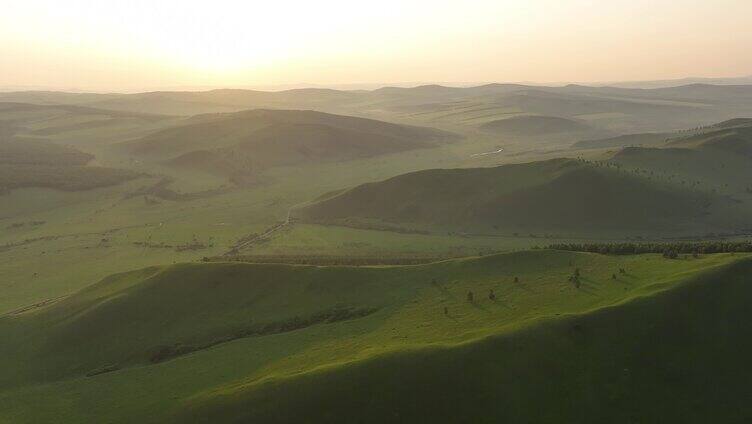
x: 136, y: 45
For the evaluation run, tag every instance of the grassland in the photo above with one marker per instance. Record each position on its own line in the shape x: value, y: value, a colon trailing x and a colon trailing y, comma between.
x: 77, y: 125
x: 27, y: 162
x: 641, y: 361
x: 246, y: 143
x: 186, y: 340
x: 715, y: 159
x: 526, y: 126
x: 243, y: 337
x: 66, y: 253
x: 551, y: 197
x: 627, y: 140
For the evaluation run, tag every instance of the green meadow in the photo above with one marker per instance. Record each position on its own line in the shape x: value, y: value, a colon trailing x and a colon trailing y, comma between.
x: 237, y: 342
x: 373, y: 256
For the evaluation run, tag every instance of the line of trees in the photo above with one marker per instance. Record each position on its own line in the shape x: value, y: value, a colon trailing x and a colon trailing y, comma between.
x: 330, y: 260
x: 667, y: 249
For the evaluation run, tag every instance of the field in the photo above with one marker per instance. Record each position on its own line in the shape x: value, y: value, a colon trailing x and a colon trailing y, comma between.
x: 76, y: 222
x: 239, y: 339
x: 329, y: 281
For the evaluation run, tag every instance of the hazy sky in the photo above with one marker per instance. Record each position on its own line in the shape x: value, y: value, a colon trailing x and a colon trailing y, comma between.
x: 130, y: 45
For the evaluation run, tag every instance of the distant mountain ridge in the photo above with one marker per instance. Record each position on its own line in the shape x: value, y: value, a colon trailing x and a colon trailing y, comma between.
x: 606, y: 107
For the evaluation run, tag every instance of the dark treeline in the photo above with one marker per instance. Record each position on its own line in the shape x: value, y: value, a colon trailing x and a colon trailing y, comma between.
x: 330, y: 260
x: 667, y: 249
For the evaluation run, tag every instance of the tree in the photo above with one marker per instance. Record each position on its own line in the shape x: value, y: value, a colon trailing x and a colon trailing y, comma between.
x: 670, y: 254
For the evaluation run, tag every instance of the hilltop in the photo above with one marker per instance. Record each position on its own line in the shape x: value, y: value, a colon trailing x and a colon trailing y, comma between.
x: 733, y: 136
x: 586, y: 368
x: 232, y: 342
x: 560, y: 195
x: 716, y: 158
x: 626, y: 140
x: 76, y: 124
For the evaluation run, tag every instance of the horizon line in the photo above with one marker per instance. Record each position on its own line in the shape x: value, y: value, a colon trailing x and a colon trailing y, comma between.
x: 367, y: 86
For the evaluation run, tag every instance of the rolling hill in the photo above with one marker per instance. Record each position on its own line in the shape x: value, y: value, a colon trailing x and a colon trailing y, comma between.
x: 234, y: 342
x: 249, y: 141
x: 560, y: 195
x: 588, y: 368
x: 733, y: 136
x: 627, y: 140
x: 29, y: 162
x: 715, y: 158
x: 621, y: 110
x: 534, y: 126
x: 75, y: 124
x: 29, y: 151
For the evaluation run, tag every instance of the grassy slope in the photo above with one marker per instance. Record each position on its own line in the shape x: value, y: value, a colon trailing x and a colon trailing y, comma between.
x: 623, y: 141
x: 83, y: 219
x: 61, y: 266
x: 718, y: 158
x: 291, y: 144
x: 267, y: 138
x: 527, y: 126
x: 19, y: 150
x: 734, y: 137
x: 678, y: 356
x: 125, y: 316
x: 27, y: 162
x: 78, y: 125
x: 553, y: 196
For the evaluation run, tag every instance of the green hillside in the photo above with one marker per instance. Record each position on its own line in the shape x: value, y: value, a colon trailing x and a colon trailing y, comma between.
x: 648, y: 139
x: 533, y: 126
x: 733, y: 137
x: 94, y: 184
x: 643, y: 361
x: 29, y: 151
x: 717, y: 158
x: 28, y: 162
x: 559, y: 195
x: 231, y: 342
x: 248, y: 141
x: 75, y: 124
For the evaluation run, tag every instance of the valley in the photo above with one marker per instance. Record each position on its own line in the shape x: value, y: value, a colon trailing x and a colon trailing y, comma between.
x: 237, y: 255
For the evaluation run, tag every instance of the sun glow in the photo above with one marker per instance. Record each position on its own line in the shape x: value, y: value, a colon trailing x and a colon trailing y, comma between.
x: 141, y: 43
